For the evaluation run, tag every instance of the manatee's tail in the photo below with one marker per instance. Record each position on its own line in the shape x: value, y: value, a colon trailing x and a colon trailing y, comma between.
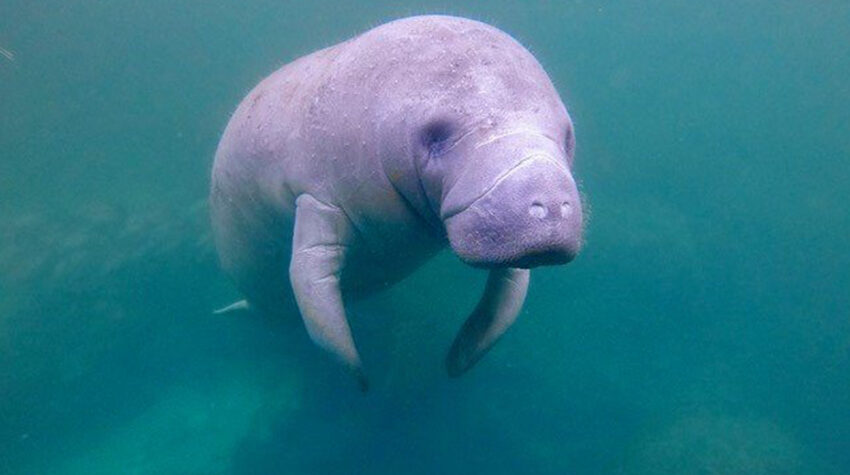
x: 240, y: 306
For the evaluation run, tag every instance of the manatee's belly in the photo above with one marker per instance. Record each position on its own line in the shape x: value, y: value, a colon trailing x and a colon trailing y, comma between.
x: 255, y: 247
x: 261, y: 270
x: 367, y: 271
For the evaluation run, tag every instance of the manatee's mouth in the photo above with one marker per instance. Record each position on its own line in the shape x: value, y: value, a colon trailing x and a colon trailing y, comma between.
x: 525, y: 252
x: 550, y: 257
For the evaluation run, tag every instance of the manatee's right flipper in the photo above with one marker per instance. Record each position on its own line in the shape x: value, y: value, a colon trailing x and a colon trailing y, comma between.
x: 240, y: 306
x: 496, y: 311
x: 321, y: 238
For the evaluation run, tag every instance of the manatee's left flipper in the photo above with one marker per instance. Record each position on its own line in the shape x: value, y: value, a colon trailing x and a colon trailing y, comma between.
x: 496, y: 311
x: 320, y: 243
x: 240, y: 306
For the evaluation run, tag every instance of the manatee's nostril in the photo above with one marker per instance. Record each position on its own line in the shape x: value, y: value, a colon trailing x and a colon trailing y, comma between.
x: 537, y: 210
x: 566, y: 209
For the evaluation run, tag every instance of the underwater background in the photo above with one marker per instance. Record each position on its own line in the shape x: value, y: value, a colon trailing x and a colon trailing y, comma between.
x: 705, y: 329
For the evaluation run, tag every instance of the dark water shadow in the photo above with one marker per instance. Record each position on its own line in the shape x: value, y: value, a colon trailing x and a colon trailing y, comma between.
x: 499, y: 421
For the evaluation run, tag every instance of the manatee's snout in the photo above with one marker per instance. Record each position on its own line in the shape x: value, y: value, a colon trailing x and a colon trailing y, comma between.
x: 530, y: 216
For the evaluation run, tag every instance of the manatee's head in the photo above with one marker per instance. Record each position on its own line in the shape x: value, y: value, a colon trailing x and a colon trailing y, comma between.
x: 506, y: 195
x: 475, y: 137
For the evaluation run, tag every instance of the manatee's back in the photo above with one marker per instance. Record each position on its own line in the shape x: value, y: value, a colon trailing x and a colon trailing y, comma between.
x: 251, y: 204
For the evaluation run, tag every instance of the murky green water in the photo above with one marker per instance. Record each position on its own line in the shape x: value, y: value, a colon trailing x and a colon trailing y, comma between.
x: 704, y: 330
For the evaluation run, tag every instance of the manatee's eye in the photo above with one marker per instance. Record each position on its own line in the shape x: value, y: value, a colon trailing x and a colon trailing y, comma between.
x: 570, y: 143
x: 435, y: 137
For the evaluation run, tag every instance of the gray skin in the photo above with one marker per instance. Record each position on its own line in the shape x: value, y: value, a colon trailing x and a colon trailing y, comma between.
x: 347, y: 169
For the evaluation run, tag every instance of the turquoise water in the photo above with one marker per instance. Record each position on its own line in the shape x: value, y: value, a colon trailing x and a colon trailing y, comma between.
x: 704, y: 330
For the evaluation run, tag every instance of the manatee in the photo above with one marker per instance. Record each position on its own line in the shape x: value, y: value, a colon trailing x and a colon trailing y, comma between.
x: 345, y: 170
